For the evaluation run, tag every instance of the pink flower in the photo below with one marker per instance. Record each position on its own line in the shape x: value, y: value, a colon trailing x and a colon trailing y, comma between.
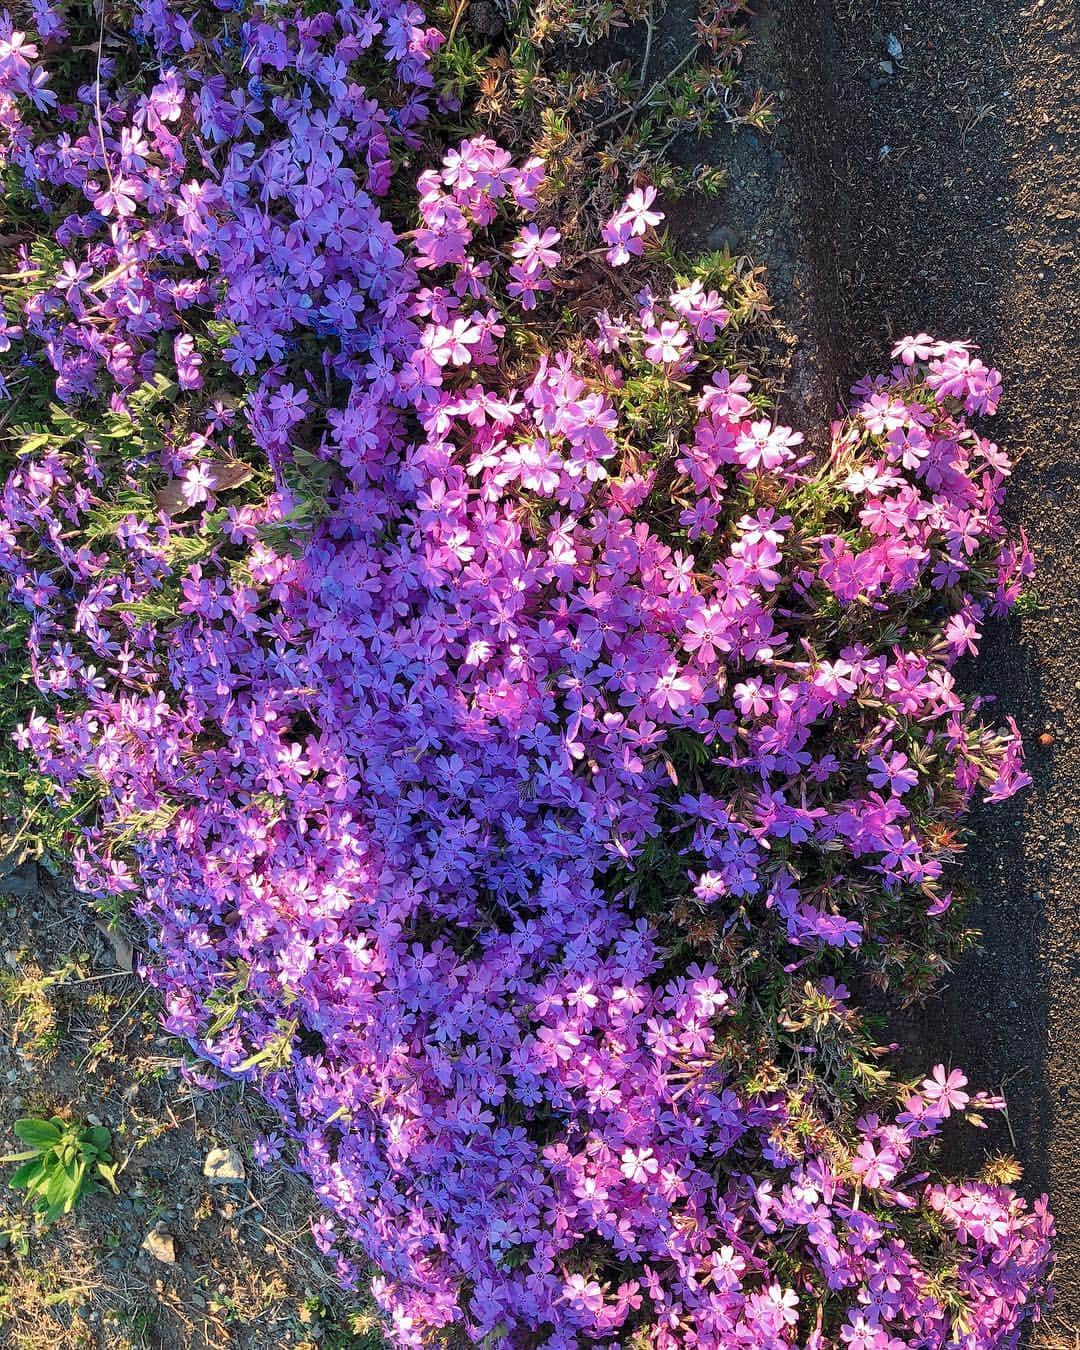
x: 763, y: 446
x: 666, y: 344
x: 187, y: 361
x: 637, y: 213
x: 912, y: 349
x: 536, y: 249
x: 638, y: 1164
x: 946, y: 1088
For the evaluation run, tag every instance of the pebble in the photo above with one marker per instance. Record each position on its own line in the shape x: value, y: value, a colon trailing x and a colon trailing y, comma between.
x: 724, y: 237
x: 20, y: 881
x: 224, y: 1166
x: 161, y: 1246
x: 893, y: 47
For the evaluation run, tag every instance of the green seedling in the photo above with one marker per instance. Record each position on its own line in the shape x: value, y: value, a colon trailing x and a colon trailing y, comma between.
x: 61, y: 1163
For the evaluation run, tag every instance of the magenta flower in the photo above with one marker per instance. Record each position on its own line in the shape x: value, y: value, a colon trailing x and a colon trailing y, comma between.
x: 666, y: 344
x: 945, y: 1089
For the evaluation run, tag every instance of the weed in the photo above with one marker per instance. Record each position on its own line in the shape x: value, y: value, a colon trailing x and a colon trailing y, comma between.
x: 61, y: 1163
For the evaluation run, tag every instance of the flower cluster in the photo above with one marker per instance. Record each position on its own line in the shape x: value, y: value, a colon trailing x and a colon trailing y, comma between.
x: 506, y: 748
x: 625, y: 231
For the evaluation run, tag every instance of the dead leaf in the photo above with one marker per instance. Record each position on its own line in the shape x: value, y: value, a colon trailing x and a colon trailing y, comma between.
x: 228, y: 473
x: 224, y: 474
x: 171, y: 498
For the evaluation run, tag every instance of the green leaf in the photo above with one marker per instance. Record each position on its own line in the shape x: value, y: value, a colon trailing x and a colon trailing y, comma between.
x: 22, y: 1177
x: 108, y: 1172
x: 99, y: 1137
x: 76, y: 1185
x: 40, y: 1134
x: 57, y: 1188
x: 35, y: 442
x: 19, y: 1157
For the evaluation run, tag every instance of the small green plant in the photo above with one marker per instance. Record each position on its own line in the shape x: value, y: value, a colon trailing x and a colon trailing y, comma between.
x: 15, y: 1235
x: 61, y: 1163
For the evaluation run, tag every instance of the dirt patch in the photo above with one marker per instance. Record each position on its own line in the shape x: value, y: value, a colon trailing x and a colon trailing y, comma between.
x: 80, y: 1037
x: 765, y: 212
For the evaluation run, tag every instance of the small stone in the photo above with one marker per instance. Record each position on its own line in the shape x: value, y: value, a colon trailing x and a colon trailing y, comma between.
x: 19, y: 881
x: 894, y: 48
x: 887, y: 67
x: 224, y: 1166
x: 723, y: 237
x: 161, y: 1246
x: 123, y: 951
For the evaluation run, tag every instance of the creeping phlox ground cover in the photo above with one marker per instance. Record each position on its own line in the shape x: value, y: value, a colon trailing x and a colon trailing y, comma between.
x: 511, y: 746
